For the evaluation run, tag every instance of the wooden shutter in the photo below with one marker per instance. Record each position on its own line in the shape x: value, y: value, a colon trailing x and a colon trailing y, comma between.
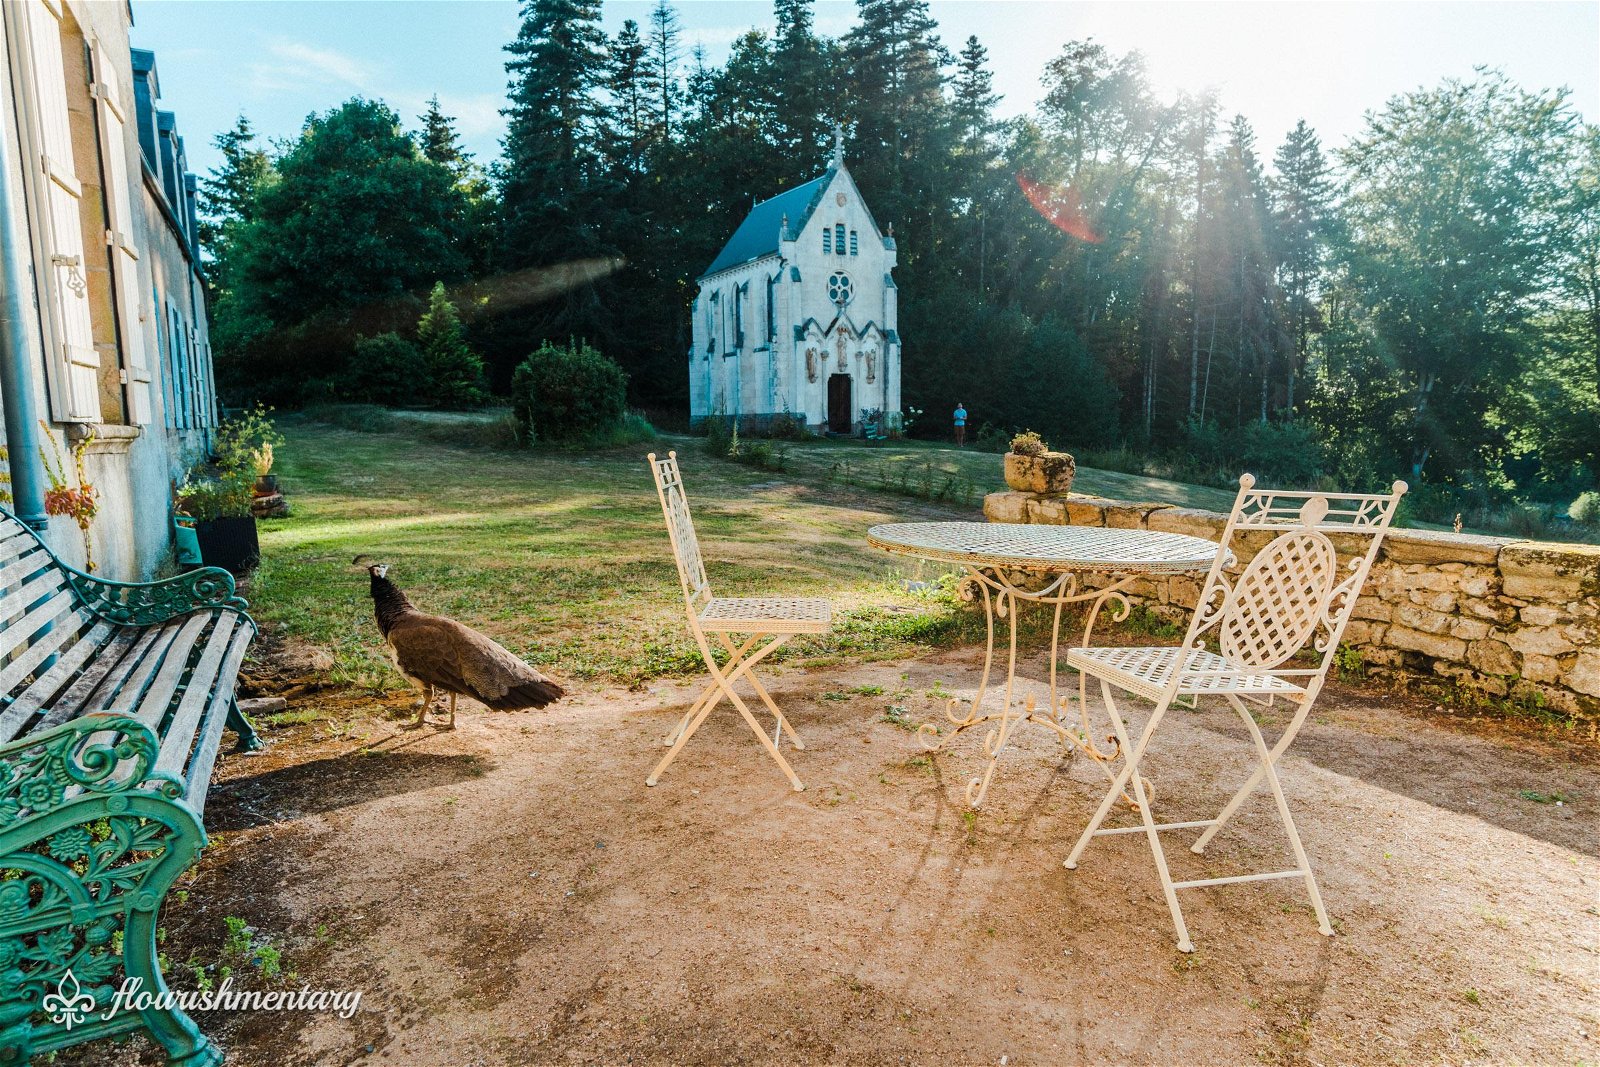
x: 74, y: 364
x: 113, y: 116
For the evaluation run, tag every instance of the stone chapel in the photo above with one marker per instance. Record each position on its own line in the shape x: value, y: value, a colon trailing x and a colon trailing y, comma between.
x: 797, y: 314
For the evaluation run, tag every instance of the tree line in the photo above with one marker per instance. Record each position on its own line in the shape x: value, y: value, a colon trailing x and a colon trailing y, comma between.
x: 1110, y: 268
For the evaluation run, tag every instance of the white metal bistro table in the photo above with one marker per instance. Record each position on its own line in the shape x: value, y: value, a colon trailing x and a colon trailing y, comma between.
x: 1011, y: 562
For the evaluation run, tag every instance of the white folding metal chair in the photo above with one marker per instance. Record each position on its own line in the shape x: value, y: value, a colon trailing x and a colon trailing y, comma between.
x: 1290, y: 597
x: 773, y: 620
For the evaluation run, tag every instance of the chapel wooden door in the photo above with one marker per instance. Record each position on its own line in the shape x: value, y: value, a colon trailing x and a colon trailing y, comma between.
x: 839, y: 410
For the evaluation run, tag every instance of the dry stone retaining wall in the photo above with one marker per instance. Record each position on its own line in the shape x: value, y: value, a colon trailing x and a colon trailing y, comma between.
x: 1517, y: 620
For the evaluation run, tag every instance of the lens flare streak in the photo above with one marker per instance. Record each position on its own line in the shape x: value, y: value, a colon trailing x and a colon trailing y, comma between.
x: 1061, y: 206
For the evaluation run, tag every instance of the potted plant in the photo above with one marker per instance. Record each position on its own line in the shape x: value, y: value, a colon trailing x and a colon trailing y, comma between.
x: 245, y: 443
x: 220, y: 507
x: 1032, y: 468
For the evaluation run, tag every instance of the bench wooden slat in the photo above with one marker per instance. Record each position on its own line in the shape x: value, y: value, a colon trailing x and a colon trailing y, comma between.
x: 64, y: 628
x: 44, y: 687
x: 35, y: 620
x: 65, y: 705
x: 22, y: 566
x: 157, y: 697
x: 179, y: 736
x: 64, y: 621
x: 15, y: 610
x: 205, y: 757
x: 15, y: 539
x: 147, y: 650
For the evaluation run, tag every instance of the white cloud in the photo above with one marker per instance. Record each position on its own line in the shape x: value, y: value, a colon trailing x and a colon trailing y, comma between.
x: 295, y: 64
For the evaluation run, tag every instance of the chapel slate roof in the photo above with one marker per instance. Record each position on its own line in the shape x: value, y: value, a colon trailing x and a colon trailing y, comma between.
x: 757, y: 235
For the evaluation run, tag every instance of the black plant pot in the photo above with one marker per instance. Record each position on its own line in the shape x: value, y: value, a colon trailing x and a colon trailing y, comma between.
x: 229, y: 543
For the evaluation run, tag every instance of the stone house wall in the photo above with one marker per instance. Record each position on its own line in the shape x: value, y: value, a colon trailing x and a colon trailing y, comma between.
x: 1511, y: 619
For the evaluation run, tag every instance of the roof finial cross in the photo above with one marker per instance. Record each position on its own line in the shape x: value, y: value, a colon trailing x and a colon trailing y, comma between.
x: 838, y: 145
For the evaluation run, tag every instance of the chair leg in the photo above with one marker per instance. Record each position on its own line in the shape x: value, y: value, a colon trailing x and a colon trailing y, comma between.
x: 722, y: 682
x: 1269, y: 771
x: 1118, y: 782
x: 1145, y: 814
x: 1254, y: 781
x: 783, y: 726
x: 735, y: 656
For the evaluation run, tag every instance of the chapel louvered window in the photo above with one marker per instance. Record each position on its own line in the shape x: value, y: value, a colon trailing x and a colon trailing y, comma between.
x: 838, y: 238
x: 827, y: 241
x: 853, y: 246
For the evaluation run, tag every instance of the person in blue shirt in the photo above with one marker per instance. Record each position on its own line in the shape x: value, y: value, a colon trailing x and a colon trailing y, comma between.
x: 961, y: 425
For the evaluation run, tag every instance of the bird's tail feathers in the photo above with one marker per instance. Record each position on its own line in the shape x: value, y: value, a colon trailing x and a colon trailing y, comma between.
x: 528, y: 695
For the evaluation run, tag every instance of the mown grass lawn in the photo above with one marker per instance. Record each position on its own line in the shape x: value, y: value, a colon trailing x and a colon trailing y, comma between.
x: 563, y: 557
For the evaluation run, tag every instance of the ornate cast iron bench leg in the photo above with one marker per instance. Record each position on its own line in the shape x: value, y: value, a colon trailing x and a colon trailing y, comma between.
x: 91, y: 841
x: 249, y: 740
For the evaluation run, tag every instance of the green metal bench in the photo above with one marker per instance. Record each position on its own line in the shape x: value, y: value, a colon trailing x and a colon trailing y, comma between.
x: 113, y: 700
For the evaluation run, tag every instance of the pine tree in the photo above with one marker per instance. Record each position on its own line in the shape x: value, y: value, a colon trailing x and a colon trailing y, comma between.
x: 804, y: 107
x: 629, y: 122
x: 1302, y: 196
x: 896, y: 78
x: 1250, y: 270
x: 549, y: 180
x: 665, y: 54
x: 438, y: 139
x: 974, y: 97
x: 455, y: 372
x: 228, y: 195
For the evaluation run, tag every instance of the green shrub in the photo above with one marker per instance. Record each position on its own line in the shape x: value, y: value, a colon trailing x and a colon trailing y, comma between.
x: 568, y: 394
x: 386, y: 369
x: 720, y: 435
x: 227, y: 497
x: 454, y: 370
x: 1586, y: 508
x: 991, y: 438
x: 245, y: 443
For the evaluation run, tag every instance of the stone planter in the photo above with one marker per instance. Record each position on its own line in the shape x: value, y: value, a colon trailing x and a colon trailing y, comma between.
x: 229, y: 543
x: 1049, y: 473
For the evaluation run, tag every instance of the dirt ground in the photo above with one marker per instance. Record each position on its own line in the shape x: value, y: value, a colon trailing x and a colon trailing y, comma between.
x: 512, y: 893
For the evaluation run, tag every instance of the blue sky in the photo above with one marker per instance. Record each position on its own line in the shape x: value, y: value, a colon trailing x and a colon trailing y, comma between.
x: 277, y: 60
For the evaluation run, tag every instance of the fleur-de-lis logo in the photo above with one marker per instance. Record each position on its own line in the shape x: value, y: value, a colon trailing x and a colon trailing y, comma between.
x: 70, y: 1004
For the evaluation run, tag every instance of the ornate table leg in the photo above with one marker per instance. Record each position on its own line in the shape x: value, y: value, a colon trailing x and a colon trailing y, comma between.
x: 1001, y: 593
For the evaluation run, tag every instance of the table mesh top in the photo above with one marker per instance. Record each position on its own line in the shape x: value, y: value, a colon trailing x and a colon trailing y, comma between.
x: 1028, y: 547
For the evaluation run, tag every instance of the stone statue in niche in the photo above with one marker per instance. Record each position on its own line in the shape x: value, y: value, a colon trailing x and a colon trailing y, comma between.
x: 872, y: 364
x: 811, y: 364
x: 843, y: 366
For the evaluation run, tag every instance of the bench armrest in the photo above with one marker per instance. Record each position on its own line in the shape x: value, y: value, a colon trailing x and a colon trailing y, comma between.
x: 99, y: 753
x: 149, y: 603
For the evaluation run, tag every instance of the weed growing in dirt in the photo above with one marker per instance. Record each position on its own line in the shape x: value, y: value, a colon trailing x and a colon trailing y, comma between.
x: 1348, y: 660
x: 1542, y: 798
x: 896, y: 715
x: 245, y: 945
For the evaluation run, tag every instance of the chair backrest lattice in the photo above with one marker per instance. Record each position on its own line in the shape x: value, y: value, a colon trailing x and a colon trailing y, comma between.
x: 1279, y: 599
x: 680, y: 528
x: 1293, y: 592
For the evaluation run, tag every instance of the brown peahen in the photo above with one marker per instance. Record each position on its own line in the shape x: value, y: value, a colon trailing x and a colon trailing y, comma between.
x: 438, y: 653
